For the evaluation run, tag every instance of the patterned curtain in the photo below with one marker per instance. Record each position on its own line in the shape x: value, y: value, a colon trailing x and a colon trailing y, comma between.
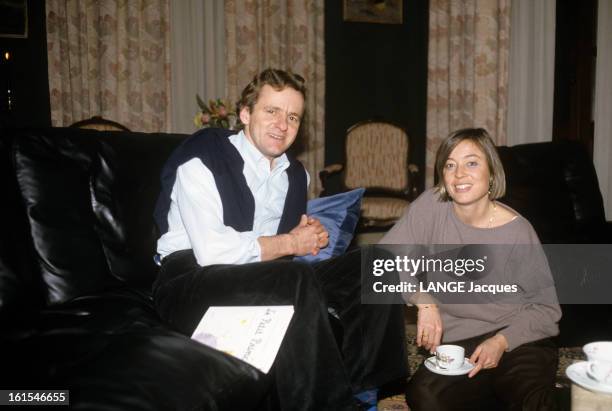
x: 286, y: 34
x: 602, y: 144
x: 467, y: 70
x: 109, y: 58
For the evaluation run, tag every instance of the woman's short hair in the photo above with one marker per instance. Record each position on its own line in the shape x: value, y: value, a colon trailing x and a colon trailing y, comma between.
x: 275, y: 78
x: 480, y: 137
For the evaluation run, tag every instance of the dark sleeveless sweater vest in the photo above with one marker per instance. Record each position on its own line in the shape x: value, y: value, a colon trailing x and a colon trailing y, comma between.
x: 213, y: 148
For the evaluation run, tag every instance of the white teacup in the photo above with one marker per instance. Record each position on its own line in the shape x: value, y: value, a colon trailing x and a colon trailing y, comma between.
x: 450, y: 357
x: 599, y: 355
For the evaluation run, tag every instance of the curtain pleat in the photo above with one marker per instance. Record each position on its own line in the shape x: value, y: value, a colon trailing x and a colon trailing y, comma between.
x: 602, y: 145
x: 531, y: 74
x: 285, y: 34
x: 109, y: 58
x: 198, y: 58
x: 467, y: 70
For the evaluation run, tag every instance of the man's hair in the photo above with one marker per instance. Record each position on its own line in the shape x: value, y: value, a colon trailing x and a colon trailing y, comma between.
x: 480, y: 137
x: 275, y: 78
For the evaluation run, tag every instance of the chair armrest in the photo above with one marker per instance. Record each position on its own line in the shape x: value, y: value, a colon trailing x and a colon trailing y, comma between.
x: 332, y: 169
x: 412, y: 189
x: 326, y: 173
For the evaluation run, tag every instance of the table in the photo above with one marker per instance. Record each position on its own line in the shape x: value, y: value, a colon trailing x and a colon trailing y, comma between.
x: 583, y: 400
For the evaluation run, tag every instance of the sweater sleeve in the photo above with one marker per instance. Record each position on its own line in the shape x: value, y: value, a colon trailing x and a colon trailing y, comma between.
x: 539, y: 313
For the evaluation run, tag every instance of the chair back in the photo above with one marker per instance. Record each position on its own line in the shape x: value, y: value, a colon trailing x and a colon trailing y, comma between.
x: 377, y: 157
x: 100, y: 124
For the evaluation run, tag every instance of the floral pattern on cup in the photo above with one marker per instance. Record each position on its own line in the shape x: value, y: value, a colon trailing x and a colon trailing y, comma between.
x: 444, y: 358
x: 450, y: 357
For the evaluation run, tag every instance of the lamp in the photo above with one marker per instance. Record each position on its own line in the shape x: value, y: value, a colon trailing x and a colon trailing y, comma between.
x: 7, y: 99
x: 7, y: 60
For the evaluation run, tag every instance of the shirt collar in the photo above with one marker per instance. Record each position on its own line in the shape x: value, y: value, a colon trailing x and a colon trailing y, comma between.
x: 252, y: 155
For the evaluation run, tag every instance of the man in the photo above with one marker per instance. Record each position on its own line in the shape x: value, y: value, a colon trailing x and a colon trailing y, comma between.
x: 232, y: 205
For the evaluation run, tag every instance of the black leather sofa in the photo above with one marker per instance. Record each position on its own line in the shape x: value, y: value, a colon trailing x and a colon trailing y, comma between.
x: 75, y: 272
x: 554, y: 186
x: 76, y: 268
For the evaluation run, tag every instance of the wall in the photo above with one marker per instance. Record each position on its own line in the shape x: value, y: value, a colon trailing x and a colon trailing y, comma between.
x: 27, y: 74
x: 376, y: 71
x: 575, y: 57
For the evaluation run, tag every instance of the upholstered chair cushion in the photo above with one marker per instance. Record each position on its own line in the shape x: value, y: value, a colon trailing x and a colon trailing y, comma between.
x: 383, y: 208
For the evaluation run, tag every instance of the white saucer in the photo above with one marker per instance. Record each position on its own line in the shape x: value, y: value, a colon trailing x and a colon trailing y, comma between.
x: 578, y: 373
x: 430, y: 363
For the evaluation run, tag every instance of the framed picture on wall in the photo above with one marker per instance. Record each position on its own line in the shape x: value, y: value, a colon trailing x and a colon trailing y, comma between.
x: 373, y: 11
x: 14, y: 18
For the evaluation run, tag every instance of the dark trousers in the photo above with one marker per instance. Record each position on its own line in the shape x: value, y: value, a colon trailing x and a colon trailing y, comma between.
x: 311, y: 371
x: 523, y: 380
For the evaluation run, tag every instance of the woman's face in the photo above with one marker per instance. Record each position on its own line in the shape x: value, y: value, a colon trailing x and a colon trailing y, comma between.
x: 466, y: 174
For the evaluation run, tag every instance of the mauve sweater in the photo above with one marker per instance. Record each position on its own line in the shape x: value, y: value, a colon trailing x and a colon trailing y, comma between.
x: 430, y: 221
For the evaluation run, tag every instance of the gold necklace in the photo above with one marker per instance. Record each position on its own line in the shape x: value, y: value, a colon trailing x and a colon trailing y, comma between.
x: 492, y: 218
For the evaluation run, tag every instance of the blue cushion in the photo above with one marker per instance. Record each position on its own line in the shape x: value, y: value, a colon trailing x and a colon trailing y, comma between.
x: 339, y: 214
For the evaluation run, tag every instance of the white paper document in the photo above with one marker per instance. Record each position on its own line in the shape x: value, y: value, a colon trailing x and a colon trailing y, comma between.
x: 250, y: 333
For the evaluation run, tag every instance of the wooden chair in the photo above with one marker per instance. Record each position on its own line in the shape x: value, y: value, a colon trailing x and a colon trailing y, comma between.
x: 101, y: 124
x: 377, y: 158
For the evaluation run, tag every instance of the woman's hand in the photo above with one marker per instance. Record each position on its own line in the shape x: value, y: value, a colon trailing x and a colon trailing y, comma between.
x: 488, y: 353
x: 429, y: 327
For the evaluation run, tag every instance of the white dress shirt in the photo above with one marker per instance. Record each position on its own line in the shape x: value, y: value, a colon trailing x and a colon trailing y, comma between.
x: 195, y: 218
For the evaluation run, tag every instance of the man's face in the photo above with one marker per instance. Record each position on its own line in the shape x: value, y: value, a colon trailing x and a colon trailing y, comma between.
x: 275, y: 120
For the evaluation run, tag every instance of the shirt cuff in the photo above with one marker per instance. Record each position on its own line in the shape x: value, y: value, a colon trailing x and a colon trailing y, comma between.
x: 253, y: 251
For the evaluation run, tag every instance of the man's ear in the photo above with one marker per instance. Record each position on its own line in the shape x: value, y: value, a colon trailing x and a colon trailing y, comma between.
x: 245, y: 115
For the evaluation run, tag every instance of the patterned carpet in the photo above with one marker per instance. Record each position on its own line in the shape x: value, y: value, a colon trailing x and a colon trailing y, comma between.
x: 567, y: 356
x: 394, y: 403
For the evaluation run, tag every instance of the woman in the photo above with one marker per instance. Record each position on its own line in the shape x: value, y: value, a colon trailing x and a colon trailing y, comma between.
x: 509, y: 345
